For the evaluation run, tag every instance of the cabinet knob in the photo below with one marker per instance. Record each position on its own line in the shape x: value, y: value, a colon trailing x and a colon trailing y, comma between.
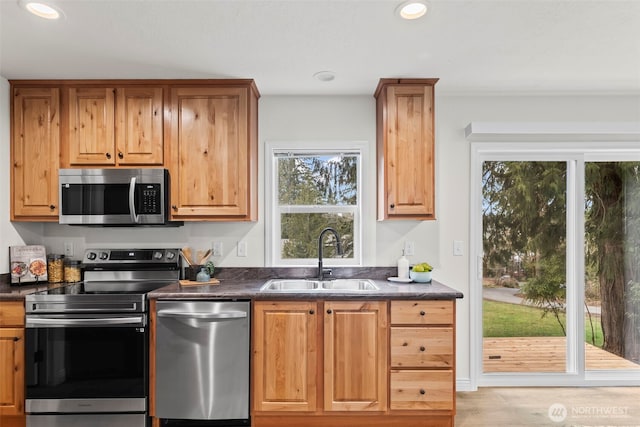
x: 392, y: 205
x: 422, y: 348
x: 422, y: 391
x: 329, y: 311
x: 108, y: 155
x: 52, y: 207
x: 120, y: 155
x: 174, y: 207
x: 312, y: 312
x: 422, y: 313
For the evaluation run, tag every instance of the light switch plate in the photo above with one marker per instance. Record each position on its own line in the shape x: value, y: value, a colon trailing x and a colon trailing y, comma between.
x: 457, y: 248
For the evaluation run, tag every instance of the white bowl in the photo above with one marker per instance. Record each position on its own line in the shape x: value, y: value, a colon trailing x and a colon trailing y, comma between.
x: 420, y: 276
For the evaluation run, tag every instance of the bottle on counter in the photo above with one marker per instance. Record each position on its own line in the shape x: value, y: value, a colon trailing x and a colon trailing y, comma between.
x: 55, y: 268
x: 203, y: 276
x: 403, y: 267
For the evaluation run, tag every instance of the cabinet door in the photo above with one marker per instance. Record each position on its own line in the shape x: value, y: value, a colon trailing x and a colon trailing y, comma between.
x: 408, y: 150
x: 35, y: 153
x: 139, y: 132
x: 91, y: 126
x: 11, y: 371
x: 285, y: 356
x: 355, y: 356
x: 210, y: 153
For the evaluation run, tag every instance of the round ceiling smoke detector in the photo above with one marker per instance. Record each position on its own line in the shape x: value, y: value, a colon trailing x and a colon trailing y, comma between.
x: 41, y: 9
x: 324, y: 76
x: 412, y: 9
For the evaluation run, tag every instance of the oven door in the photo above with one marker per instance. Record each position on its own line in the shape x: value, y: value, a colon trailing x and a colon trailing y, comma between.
x: 86, y: 365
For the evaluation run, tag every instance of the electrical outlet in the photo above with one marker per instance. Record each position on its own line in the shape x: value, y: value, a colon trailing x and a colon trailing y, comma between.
x: 68, y: 249
x: 242, y: 249
x: 218, y: 249
x: 409, y: 247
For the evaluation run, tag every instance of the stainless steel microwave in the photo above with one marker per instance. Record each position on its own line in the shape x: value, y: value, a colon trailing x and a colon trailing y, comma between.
x: 114, y: 196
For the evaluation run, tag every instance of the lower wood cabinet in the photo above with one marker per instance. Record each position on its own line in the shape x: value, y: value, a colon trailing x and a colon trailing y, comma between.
x: 353, y: 363
x: 12, y: 364
x: 291, y: 337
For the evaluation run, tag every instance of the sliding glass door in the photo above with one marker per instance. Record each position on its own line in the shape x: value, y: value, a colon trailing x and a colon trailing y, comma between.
x: 557, y: 280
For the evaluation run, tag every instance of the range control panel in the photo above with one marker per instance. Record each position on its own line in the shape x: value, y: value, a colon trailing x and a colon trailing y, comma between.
x: 131, y: 256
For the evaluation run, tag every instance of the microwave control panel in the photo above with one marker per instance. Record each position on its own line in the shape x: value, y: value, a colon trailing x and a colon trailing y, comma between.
x: 150, y: 199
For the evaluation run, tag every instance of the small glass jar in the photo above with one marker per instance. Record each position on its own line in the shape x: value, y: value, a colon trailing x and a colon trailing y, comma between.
x: 55, y: 268
x: 72, y: 271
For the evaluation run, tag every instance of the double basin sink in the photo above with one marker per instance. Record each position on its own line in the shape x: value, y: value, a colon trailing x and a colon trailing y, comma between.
x: 314, y: 285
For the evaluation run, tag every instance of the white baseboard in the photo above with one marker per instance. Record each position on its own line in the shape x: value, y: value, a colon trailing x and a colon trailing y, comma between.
x: 465, y: 385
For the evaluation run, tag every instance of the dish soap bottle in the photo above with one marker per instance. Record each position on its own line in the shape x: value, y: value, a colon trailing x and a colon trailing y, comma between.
x: 403, y: 267
x: 203, y: 276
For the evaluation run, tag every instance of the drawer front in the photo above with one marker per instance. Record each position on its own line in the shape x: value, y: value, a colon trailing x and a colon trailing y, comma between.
x: 11, y: 313
x: 422, y: 312
x: 422, y: 390
x: 422, y: 347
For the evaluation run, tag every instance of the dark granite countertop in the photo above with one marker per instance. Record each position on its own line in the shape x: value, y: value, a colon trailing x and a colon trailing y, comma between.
x: 250, y: 289
x: 245, y: 283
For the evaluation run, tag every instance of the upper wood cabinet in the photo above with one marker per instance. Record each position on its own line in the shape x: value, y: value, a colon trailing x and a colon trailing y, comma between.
x: 111, y: 126
x: 405, y: 148
x: 35, y: 153
x: 213, y: 152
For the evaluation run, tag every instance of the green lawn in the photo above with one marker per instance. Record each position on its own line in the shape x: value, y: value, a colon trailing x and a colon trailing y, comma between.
x: 513, y: 320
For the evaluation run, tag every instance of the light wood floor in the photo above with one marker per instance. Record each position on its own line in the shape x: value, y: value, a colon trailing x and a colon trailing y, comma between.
x: 543, y: 354
x: 529, y: 406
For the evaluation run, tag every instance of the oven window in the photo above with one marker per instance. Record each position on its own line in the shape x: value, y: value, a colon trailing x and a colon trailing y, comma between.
x: 86, y: 362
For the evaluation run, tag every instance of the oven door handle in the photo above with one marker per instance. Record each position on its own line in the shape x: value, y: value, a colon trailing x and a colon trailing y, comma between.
x: 61, y: 322
x: 204, y: 317
x: 132, y: 200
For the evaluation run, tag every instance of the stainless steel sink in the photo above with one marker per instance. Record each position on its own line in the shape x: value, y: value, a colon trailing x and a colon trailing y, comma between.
x: 289, y: 285
x: 311, y: 285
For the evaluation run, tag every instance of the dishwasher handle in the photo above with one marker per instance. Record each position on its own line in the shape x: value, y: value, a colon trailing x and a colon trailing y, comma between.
x: 204, y: 317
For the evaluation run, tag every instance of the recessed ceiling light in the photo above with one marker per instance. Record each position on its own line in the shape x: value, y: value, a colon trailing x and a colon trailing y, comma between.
x: 413, y: 9
x: 325, y: 76
x: 40, y: 9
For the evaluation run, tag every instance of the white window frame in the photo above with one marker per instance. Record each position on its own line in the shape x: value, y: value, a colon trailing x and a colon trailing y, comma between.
x: 272, y: 213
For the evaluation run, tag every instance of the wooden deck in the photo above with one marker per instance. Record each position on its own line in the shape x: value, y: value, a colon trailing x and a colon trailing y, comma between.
x: 543, y: 354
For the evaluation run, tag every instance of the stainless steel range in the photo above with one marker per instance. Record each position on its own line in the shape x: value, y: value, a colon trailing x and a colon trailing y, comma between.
x: 87, y: 343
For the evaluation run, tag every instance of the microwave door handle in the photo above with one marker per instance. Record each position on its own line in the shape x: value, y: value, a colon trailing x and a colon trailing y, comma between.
x: 132, y: 202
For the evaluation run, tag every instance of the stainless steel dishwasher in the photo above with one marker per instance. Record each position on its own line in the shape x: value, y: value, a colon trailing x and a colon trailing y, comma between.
x: 202, y: 362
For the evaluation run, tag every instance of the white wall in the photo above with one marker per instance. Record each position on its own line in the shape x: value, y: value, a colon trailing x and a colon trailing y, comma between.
x: 289, y: 118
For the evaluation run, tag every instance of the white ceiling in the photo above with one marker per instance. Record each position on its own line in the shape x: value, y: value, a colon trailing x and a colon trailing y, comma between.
x: 523, y: 46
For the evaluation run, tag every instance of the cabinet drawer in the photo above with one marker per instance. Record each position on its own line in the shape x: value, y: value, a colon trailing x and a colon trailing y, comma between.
x: 422, y: 347
x: 11, y: 313
x: 422, y: 312
x: 418, y: 390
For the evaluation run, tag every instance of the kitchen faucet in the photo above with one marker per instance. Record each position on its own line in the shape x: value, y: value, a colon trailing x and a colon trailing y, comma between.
x: 321, y: 271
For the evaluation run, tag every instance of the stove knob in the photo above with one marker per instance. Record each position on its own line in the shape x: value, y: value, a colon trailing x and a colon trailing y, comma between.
x: 170, y: 255
x: 157, y: 255
x: 91, y: 256
x: 104, y: 255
